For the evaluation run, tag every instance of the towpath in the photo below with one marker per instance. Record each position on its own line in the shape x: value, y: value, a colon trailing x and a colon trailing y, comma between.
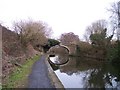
x: 39, y: 76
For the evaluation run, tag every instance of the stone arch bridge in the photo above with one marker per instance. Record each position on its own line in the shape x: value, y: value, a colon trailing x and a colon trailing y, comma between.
x: 70, y: 49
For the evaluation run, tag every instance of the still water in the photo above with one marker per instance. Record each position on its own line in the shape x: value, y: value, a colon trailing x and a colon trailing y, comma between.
x: 77, y: 72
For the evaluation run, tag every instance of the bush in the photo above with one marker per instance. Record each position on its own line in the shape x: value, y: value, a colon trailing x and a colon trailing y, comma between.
x: 114, y: 53
x: 53, y: 42
x: 50, y: 43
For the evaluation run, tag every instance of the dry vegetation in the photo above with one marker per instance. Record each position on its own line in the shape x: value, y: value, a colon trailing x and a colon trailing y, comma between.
x: 13, y: 52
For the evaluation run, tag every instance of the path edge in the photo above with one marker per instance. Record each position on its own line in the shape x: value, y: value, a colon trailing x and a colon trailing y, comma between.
x: 53, y: 77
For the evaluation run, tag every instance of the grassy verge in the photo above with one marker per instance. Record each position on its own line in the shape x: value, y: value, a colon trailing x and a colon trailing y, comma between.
x: 19, y: 77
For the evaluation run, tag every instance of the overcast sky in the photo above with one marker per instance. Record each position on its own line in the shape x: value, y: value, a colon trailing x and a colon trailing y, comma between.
x: 62, y: 15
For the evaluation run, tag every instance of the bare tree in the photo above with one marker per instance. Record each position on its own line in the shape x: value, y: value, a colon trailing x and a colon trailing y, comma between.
x: 31, y: 32
x: 86, y: 37
x: 115, y: 17
x: 69, y: 38
x: 95, y: 28
x: 48, y: 30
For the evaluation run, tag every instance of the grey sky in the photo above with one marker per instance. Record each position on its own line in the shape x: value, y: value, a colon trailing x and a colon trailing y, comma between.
x: 62, y: 15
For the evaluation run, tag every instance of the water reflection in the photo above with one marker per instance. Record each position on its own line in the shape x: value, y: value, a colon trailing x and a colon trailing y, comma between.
x: 84, y: 73
x: 59, y: 59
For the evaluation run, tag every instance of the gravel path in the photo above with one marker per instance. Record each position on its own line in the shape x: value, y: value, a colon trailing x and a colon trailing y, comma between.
x: 39, y: 75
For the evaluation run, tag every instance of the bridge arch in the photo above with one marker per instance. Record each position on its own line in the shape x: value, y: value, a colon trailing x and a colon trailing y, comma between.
x: 65, y: 48
x: 53, y: 51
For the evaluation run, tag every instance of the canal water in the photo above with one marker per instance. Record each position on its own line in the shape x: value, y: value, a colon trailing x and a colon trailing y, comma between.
x: 77, y: 72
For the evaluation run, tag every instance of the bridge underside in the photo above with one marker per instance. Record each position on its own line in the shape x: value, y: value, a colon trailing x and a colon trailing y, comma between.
x: 63, y: 49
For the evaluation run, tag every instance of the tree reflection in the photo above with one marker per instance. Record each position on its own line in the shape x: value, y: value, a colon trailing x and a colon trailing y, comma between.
x: 96, y: 74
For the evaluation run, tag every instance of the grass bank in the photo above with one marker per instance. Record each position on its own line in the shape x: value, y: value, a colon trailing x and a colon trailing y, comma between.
x: 19, y: 78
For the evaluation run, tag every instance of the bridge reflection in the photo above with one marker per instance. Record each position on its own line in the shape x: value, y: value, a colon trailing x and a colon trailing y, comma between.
x: 90, y: 72
x: 58, y: 60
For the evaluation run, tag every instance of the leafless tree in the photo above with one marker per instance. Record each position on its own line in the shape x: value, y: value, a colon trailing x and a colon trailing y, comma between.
x: 94, y: 28
x: 34, y: 32
x: 115, y: 16
x: 69, y: 38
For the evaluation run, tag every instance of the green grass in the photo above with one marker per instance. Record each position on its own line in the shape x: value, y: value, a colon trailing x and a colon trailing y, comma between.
x: 19, y: 77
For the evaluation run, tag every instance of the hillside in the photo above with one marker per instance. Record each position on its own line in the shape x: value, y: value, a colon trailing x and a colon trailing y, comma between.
x: 13, y: 53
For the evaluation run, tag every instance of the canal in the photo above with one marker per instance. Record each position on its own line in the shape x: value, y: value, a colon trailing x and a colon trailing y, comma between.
x: 77, y: 72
